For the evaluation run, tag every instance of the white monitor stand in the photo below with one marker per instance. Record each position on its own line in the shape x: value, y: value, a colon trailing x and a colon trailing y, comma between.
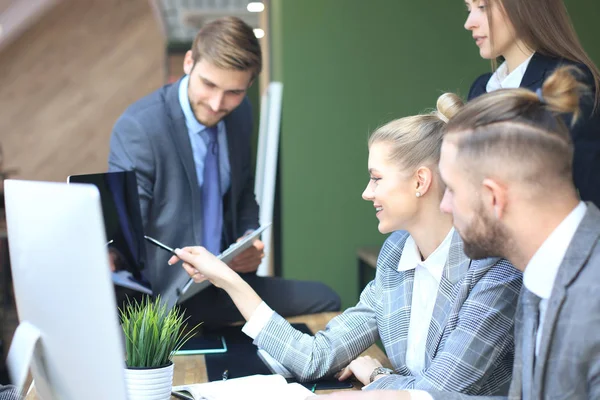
x: 69, y: 330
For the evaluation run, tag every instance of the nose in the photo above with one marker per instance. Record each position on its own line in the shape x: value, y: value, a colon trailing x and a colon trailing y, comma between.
x: 470, y: 23
x: 368, y: 193
x: 216, y: 102
x: 446, y: 204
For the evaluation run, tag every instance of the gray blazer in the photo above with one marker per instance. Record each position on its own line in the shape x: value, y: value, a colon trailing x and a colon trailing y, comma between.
x: 469, y: 345
x: 568, y: 364
x: 151, y: 138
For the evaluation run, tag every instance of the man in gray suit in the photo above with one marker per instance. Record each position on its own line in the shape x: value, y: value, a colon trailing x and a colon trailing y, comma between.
x: 507, y: 163
x: 189, y: 143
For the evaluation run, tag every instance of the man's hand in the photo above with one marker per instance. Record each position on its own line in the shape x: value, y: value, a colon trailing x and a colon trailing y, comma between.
x: 361, y: 368
x: 116, y: 261
x: 249, y: 259
x: 365, y: 395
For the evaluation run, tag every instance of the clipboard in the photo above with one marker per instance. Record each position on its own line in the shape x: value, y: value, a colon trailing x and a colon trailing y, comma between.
x: 191, y: 288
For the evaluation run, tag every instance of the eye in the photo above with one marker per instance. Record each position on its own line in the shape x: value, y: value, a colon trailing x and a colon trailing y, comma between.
x: 374, y: 180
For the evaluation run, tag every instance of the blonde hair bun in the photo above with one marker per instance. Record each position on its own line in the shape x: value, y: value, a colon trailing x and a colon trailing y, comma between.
x: 561, y: 91
x: 447, y: 106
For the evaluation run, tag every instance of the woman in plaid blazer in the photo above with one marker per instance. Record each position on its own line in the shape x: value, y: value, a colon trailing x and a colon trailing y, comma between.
x: 446, y: 321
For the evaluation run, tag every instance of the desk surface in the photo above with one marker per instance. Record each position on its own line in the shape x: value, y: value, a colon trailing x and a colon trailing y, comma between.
x: 192, y: 369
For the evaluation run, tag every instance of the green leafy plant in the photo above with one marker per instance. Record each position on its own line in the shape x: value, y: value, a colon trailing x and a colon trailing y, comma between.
x: 153, y: 333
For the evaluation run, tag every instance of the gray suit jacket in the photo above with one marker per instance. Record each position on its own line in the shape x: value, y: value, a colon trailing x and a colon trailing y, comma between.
x: 568, y: 364
x: 469, y: 345
x: 151, y: 138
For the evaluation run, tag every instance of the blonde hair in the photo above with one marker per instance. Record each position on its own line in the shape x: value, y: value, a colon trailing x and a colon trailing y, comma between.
x: 545, y: 27
x: 228, y: 43
x: 519, y: 132
x: 416, y: 140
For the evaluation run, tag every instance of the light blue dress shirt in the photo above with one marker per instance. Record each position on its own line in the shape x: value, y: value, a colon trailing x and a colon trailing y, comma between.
x: 199, y: 139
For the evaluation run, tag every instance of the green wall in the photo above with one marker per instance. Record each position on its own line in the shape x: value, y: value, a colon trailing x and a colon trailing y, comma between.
x: 349, y: 66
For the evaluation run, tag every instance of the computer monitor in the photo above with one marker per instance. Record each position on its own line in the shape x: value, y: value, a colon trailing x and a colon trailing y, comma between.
x: 122, y: 216
x: 63, y: 288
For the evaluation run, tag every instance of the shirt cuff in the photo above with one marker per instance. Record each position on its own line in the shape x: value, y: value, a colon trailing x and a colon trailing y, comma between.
x: 419, y: 395
x: 258, y: 320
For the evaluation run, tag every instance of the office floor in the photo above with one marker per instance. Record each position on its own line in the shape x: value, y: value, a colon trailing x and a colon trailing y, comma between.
x: 65, y: 81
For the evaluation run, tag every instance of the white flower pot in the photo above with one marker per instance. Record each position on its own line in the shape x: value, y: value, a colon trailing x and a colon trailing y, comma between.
x: 149, y: 383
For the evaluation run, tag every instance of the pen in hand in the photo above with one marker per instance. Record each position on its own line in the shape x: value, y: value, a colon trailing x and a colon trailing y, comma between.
x: 159, y: 244
x: 225, y: 374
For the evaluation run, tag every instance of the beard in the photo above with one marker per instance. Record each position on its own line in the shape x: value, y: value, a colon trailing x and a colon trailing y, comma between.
x: 205, y: 118
x: 484, y: 237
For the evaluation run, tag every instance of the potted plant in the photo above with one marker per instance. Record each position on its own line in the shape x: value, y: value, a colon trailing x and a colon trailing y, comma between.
x: 152, y: 335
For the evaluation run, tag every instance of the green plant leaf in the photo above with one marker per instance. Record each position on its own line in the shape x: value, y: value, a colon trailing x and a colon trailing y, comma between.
x: 152, y: 333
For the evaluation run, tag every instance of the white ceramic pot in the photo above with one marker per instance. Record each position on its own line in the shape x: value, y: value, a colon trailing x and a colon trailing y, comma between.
x: 149, y: 383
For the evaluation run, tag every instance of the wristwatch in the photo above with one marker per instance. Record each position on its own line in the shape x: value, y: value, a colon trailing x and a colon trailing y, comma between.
x: 380, y: 371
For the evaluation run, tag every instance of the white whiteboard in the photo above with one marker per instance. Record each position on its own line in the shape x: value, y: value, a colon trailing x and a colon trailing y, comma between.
x: 266, y: 166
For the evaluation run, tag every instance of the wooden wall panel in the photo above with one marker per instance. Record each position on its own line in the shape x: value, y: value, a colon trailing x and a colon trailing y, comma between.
x: 66, y: 80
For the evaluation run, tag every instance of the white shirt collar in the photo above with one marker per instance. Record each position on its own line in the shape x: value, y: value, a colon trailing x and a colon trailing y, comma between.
x: 501, y: 79
x: 434, y: 263
x: 541, y: 270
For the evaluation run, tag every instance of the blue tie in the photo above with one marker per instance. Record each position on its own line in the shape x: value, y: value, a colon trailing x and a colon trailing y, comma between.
x: 212, y: 222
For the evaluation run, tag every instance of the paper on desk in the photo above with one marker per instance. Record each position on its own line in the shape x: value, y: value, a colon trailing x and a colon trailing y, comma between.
x: 125, y: 279
x: 255, y: 387
x: 21, y: 352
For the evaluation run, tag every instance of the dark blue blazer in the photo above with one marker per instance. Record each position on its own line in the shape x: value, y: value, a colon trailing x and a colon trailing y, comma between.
x: 585, y: 133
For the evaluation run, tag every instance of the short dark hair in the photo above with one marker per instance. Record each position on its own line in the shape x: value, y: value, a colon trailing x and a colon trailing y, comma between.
x: 228, y: 43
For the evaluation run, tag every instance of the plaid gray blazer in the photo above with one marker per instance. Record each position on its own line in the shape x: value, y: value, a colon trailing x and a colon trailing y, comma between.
x: 568, y: 363
x: 470, y: 340
x: 9, y: 393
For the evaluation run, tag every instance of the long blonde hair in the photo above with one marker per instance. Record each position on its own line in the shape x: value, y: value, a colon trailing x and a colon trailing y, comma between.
x: 545, y: 27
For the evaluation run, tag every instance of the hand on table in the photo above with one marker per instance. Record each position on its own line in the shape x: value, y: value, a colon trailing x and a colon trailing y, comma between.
x: 361, y: 368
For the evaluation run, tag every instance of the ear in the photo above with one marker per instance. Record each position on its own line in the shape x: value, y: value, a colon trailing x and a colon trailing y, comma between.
x: 423, y: 178
x: 188, y: 63
x: 495, y: 196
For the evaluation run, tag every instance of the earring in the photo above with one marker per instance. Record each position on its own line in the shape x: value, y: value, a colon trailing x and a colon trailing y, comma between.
x: 418, y: 194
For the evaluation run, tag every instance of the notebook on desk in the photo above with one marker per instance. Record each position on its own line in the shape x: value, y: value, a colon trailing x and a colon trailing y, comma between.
x: 255, y: 387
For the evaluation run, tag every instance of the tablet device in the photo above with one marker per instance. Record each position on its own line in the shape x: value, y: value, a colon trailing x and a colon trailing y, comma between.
x: 191, y: 288
x: 203, y: 344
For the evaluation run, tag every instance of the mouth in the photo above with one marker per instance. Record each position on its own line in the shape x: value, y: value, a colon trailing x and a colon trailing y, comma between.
x: 378, y: 210
x: 479, y: 40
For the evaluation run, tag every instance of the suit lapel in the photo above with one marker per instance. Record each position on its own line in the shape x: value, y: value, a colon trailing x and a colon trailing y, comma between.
x: 405, y: 305
x: 231, y: 126
x: 538, y: 69
x: 455, y: 269
x: 578, y: 252
x: 179, y: 133
x: 397, y: 302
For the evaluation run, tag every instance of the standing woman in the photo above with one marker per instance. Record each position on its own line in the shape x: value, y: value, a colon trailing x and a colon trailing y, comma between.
x: 533, y: 38
x: 446, y: 321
